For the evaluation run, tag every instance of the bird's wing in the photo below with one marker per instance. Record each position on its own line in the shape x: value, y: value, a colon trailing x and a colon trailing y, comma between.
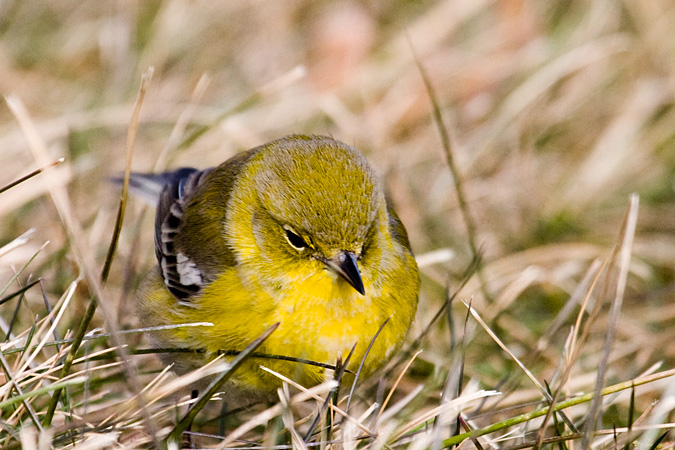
x: 182, y: 276
x: 191, y: 248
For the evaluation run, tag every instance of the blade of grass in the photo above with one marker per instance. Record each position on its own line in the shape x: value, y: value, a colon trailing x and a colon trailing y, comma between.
x: 457, y: 178
x: 363, y: 361
x: 253, y: 99
x: 332, y: 396
x: 626, y: 245
x: 394, y: 409
x: 178, y: 130
x: 40, y: 391
x: 21, y: 293
x: 575, y: 350
x: 467, y: 427
x: 430, y: 415
x: 48, y: 306
x: 557, y: 407
x: 557, y: 426
x: 18, y: 242
x: 131, y: 141
x: 267, y: 415
x: 287, y: 417
x: 84, y: 259
x: 59, y: 309
x: 29, y: 341
x: 175, y: 435
x: 16, y: 275
x: 93, y: 337
x: 10, y: 379
x: 334, y: 408
x: 656, y: 443
x: 30, y: 175
x: 631, y: 411
x: 396, y: 383
x: 452, y: 388
x: 527, y: 371
x: 279, y: 357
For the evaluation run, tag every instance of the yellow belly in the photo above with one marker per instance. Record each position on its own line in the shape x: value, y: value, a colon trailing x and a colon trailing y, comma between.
x: 320, y: 319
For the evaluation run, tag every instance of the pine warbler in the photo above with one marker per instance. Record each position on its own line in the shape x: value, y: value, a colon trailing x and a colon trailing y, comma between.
x: 296, y: 231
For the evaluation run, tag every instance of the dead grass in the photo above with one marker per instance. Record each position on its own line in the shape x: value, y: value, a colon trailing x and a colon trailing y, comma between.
x: 556, y: 111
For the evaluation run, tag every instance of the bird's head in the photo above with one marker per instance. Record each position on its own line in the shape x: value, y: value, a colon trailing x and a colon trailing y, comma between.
x: 317, y: 207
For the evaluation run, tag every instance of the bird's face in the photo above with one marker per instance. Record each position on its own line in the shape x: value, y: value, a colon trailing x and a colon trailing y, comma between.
x: 314, y: 217
x: 292, y: 256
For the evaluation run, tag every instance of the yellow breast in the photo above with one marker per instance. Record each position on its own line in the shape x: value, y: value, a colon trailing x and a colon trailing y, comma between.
x: 320, y: 318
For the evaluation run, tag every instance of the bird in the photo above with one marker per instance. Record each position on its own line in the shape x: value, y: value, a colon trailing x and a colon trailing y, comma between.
x: 296, y: 232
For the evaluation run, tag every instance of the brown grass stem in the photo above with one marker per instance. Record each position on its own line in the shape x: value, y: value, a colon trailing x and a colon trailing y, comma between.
x: 557, y: 407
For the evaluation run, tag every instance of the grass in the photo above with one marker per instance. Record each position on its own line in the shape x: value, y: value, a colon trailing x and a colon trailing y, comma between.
x: 548, y: 208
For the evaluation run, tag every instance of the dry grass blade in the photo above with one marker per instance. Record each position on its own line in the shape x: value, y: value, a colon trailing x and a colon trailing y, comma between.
x: 396, y: 383
x: 59, y: 195
x: 131, y: 140
x: 215, y: 385
x: 287, y: 417
x: 178, y: 130
x: 17, y: 242
x: 58, y: 311
x: 457, y: 178
x: 267, y: 415
x: 625, y: 249
x: 40, y: 391
x: 333, y: 407
x: 456, y: 404
x: 363, y: 361
x: 544, y: 392
x: 574, y: 349
x: 30, y: 175
x: 390, y: 413
x: 341, y: 367
x: 74, y: 231
x: 19, y: 391
x: 557, y: 407
x: 453, y: 388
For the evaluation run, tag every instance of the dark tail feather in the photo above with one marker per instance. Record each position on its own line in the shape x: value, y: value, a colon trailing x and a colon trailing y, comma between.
x: 149, y: 186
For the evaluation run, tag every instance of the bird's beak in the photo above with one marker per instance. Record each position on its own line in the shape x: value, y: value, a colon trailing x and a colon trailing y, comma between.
x: 344, y: 264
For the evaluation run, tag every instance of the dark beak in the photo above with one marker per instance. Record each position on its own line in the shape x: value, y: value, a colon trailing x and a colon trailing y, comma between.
x: 344, y: 264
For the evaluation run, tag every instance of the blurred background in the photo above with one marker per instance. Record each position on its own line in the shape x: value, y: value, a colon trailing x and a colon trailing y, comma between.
x: 557, y: 112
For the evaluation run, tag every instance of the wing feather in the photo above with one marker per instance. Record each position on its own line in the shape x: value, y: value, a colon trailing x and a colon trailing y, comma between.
x: 182, y: 277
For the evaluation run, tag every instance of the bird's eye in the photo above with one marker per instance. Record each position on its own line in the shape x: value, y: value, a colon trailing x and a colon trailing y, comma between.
x: 296, y: 241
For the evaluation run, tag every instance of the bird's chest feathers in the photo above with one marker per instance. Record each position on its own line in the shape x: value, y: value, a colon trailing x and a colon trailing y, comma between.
x: 322, y: 317
x: 319, y: 296
x: 319, y: 315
